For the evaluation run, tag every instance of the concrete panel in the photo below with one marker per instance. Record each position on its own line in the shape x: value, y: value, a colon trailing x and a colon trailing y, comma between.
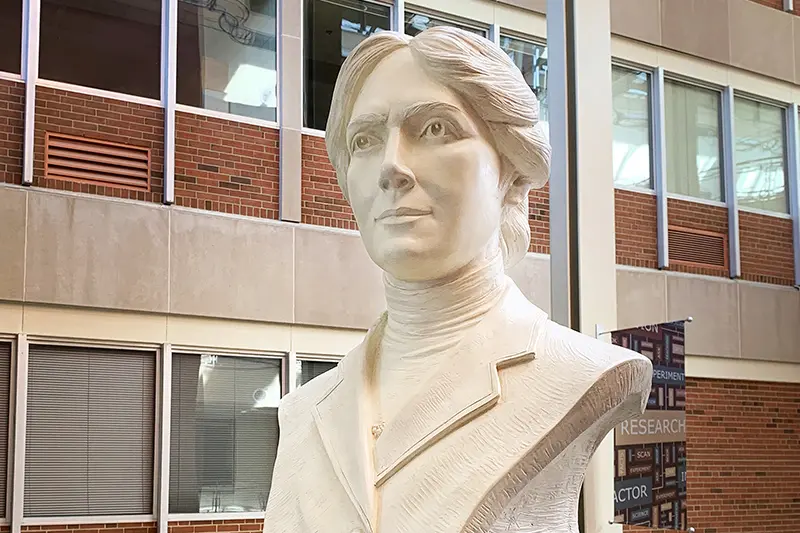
x: 770, y: 323
x: 697, y: 27
x: 12, y: 243
x: 225, y: 266
x: 796, y: 31
x: 95, y: 324
x: 641, y: 298
x: 761, y: 39
x: 228, y: 334
x: 291, y: 182
x: 339, y: 285
x: 637, y: 19
x: 96, y: 252
x: 538, y: 6
x: 532, y: 276
x: 714, y: 306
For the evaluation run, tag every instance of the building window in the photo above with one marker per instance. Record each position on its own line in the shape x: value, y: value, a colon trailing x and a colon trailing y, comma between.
x: 5, y: 391
x: 224, y: 432
x: 111, y: 44
x: 760, y: 155
x: 11, y: 36
x: 631, y: 128
x: 693, y: 141
x: 531, y: 58
x: 90, y: 432
x: 332, y: 29
x: 227, y: 57
x: 416, y: 23
x: 308, y: 370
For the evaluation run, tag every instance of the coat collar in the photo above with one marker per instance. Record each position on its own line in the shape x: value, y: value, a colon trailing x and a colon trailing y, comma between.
x: 459, y: 391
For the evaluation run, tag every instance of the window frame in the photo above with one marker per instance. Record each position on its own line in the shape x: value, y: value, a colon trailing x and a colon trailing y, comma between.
x: 166, y: 429
x: 670, y: 76
x: 652, y: 137
x: 785, y: 109
x: 14, y: 342
x: 311, y: 358
x: 20, y: 430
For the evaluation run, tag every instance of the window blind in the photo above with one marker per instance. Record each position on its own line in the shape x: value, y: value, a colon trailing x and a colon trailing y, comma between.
x: 224, y: 432
x: 5, y: 388
x: 90, y: 432
x: 311, y: 369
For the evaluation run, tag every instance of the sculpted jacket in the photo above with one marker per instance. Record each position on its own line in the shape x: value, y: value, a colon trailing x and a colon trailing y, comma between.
x: 497, y: 440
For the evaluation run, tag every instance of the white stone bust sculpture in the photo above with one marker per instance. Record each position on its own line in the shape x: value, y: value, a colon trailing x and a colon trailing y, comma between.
x: 465, y: 409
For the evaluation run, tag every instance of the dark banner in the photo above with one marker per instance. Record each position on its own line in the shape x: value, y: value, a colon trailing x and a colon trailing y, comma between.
x: 650, y: 451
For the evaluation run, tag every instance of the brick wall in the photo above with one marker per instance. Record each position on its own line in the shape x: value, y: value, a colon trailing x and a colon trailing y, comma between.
x: 12, y: 125
x: 95, y: 117
x: 323, y: 201
x: 743, y: 457
x: 217, y: 526
x: 226, y: 166
x: 539, y: 220
x: 766, y: 248
x: 698, y: 216
x: 777, y: 4
x: 132, y: 527
x: 636, y: 229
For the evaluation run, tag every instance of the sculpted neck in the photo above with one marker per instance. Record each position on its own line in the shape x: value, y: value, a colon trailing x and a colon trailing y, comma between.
x: 427, y: 311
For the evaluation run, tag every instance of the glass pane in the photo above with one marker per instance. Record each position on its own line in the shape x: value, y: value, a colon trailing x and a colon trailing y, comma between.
x: 332, y: 30
x: 113, y: 45
x: 227, y: 56
x: 11, y: 36
x: 308, y: 370
x: 631, y: 128
x: 531, y: 58
x: 760, y: 156
x: 224, y: 432
x: 692, y: 123
x: 418, y: 22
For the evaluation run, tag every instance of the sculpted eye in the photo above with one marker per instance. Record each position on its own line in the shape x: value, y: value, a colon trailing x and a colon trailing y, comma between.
x: 360, y: 142
x: 435, y: 129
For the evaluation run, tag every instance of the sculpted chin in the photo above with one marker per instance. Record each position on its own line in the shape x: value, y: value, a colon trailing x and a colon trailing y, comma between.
x: 465, y: 409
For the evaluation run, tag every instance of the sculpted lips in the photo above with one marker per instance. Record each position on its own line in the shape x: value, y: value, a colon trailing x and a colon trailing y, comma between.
x: 402, y: 213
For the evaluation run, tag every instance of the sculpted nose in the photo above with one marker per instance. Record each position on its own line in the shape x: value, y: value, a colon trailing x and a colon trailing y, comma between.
x: 395, y: 175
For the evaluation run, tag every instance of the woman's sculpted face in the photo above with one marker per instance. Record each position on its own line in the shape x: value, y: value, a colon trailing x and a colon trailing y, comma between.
x: 423, y: 179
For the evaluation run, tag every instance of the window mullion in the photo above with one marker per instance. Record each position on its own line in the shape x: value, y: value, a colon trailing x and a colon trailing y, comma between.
x: 729, y: 178
x: 658, y: 136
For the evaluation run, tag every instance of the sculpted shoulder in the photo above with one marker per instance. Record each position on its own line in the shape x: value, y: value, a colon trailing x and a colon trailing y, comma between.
x: 619, y: 371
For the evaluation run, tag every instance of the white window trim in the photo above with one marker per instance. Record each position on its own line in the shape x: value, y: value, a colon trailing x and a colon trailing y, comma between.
x: 525, y: 37
x: 631, y: 188
x: 222, y: 115
x: 102, y: 93
x: 189, y: 517
x: 11, y: 339
x: 756, y: 211
x: 313, y: 132
x: 10, y: 76
x: 69, y: 520
x: 445, y: 17
x: 686, y: 198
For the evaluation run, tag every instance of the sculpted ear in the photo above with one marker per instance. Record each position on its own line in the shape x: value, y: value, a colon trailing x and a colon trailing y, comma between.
x: 518, y: 190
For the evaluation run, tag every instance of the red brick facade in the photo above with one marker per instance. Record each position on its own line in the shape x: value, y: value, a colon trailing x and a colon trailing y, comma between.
x: 743, y: 457
x: 766, y: 248
x: 695, y: 215
x: 131, y: 527
x: 252, y: 525
x: 12, y: 125
x: 539, y: 220
x: 636, y: 229
x: 323, y: 201
x: 226, y: 166
x: 95, y: 117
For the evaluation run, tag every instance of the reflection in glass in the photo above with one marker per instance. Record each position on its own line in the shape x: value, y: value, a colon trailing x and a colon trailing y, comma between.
x: 308, y: 370
x: 227, y: 56
x: 759, y: 152
x: 692, y: 123
x: 418, y: 22
x: 11, y: 36
x: 631, y: 127
x: 111, y: 44
x: 531, y: 58
x: 224, y: 432
x: 332, y: 29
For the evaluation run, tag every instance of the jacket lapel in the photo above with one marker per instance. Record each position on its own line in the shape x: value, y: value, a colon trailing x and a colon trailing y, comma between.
x: 341, y: 416
x: 463, y: 389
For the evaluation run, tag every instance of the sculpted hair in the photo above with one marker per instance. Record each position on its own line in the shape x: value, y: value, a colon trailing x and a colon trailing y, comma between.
x: 487, y: 81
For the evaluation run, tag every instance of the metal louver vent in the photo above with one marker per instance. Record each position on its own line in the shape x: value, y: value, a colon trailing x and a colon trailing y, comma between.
x: 698, y: 248
x: 103, y: 163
